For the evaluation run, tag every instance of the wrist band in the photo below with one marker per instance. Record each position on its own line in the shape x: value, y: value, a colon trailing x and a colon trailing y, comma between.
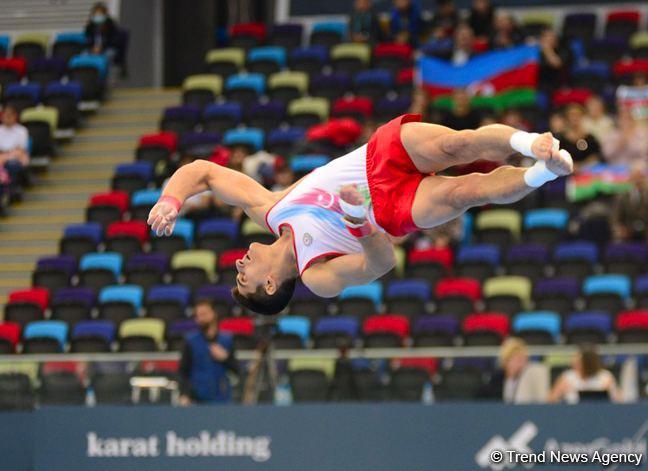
x: 538, y: 175
x: 358, y: 211
x: 358, y: 230
x: 175, y: 202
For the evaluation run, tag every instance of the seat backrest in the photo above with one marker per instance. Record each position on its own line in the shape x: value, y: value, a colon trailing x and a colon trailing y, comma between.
x: 296, y: 79
x: 254, y: 82
x: 609, y: 283
x: 637, y: 319
x: 387, y: 323
x: 183, y: 228
x: 205, y: 259
x: 468, y: 287
x: 589, y: 320
x: 480, y: 252
x: 53, y: 329
x: 437, y: 323
x: 584, y: 250
x: 310, y: 105
x: 237, y: 325
x: 252, y: 137
x: 38, y: 296
x: 47, y: 114
x: 487, y: 321
x: 211, y: 82
x: 371, y: 291
x: 408, y: 288
x: 360, y: 51
x: 295, y: 325
x: 275, y: 54
x: 147, y: 327
x: 546, y: 217
x: 111, y: 261
x: 10, y: 331
x: 132, y: 294
x: 137, y: 229
x: 519, y: 286
x: 96, y: 328
x: 500, y: 219
x: 538, y: 320
x: 337, y: 324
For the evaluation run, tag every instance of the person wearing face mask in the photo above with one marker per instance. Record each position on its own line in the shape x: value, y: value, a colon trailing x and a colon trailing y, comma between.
x: 207, y: 356
x: 101, y: 30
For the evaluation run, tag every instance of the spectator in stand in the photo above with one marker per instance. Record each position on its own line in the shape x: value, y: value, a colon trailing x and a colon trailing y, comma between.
x: 14, y: 141
x: 462, y: 49
x: 586, y: 374
x: 583, y: 147
x: 505, y: 32
x: 101, y: 30
x: 481, y: 18
x: 557, y: 123
x: 445, y: 19
x: 363, y: 23
x: 518, y: 381
x: 515, y: 119
x: 462, y: 115
x: 555, y: 61
x: 628, y: 142
x: 629, y: 217
x: 443, y: 236
x: 260, y: 166
x: 596, y: 121
x: 283, y: 178
x: 406, y: 22
x: 206, y: 358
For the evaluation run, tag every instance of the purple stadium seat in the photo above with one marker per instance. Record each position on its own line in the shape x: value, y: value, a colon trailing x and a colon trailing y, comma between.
x: 443, y: 323
x: 95, y: 328
x: 411, y: 288
x: 154, y: 261
x: 178, y: 293
x: 215, y: 292
x: 569, y: 287
x: 528, y: 252
x: 83, y: 295
x: 63, y: 263
x: 337, y: 325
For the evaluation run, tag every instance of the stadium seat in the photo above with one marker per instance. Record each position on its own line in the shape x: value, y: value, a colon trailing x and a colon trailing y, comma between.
x: 430, y: 264
x: 251, y: 138
x: 297, y: 325
x: 537, y: 327
x: 288, y: 35
x: 90, y: 71
x: 407, y: 384
x: 12, y: 70
x: 407, y: 297
x: 632, y: 326
x: 92, y: 336
x: 225, y: 61
x: 350, y: 58
x: 579, y: 26
x: 54, y: 272
x: 61, y: 388
x: 247, y: 35
x: 607, y: 292
x: 352, y: 297
x: 193, y: 267
x: 37, y: 296
x: 308, y: 111
x: 359, y: 108
x: 21, y: 96
x: 112, y: 388
x: 244, y: 88
x: 385, y: 331
x: 141, y: 335
x: 180, y: 119
x: 588, y: 327
x: 126, y: 237
x: 498, y: 226
x: 221, y: 117
x: 45, y: 70
x: 509, y: 294
x: 330, y: 86
x: 180, y: 239
x: 177, y: 331
x: 594, y: 76
x: 621, y: 24
x: 309, y: 60
x: 392, y: 56
x: 287, y: 85
x: 72, y: 305
x: 575, y: 259
x: 45, y: 337
x: 374, y: 83
x: 200, y: 90
x: 628, y: 258
x: 266, y: 60
x: 68, y: 44
x: 41, y: 121
x: 458, y: 384
x: 132, y: 177
x: 265, y: 115
x: 9, y: 336
x: 335, y: 331
x: 457, y: 295
x: 146, y: 270
x: 106, y: 208
x: 639, y: 45
x: 65, y: 98
x: 565, y: 96
x: 141, y: 203
x: 527, y: 260
x: 477, y: 261
x: 487, y: 321
x: 556, y: 294
x: 328, y: 34
x: 545, y: 226
x: 31, y: 46
x: 5, y: 40
x: 309, y: 385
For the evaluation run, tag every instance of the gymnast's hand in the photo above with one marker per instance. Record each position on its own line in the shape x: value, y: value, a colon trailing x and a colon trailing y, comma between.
x: 163, y: 216
x: 351, y: 195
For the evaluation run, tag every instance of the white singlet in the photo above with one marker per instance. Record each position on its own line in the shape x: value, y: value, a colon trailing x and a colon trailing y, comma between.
x: 598, y: 382
x: 312, y: 211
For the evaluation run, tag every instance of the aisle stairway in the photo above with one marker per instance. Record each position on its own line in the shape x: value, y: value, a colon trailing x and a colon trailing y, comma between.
x: 83, y: 167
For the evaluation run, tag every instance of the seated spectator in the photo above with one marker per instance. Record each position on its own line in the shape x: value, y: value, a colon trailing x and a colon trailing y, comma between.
x: 583, y: 147
x: 406, y: 22
x: 597, y: 122
x: 259, y: 166
x: 445, y: 19
x: 283, y: 177
x: 586, y: 374
x: 628, y: 142
x: 629, y: 218
x: 363, y: 23
x: 14, y: 141
x: 518, y: 381
x: 555, y: 61
x: 206, y: 358
x: 556, y: 123
x: 515, y: 119
x: 481, y: 18
x: 443, y: 236
x: 100, y: 30
x: 505, y: 32
x: 462, y: 49
x: 462, y: 115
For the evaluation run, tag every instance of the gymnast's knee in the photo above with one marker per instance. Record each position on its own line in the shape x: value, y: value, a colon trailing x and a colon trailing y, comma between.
x: 465, y: 192
x: 457, y: 142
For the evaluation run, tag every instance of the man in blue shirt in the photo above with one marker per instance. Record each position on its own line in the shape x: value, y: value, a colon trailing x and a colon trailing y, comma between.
x: 206, y: 357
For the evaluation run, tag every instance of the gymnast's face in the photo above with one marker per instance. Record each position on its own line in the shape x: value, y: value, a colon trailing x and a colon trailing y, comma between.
x: 254, y: 269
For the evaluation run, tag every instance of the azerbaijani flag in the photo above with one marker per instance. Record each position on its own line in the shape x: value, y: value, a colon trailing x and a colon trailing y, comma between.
x: 497, y: 79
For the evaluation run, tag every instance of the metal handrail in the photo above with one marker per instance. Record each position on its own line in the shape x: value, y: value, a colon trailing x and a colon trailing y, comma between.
x: 372, y: 353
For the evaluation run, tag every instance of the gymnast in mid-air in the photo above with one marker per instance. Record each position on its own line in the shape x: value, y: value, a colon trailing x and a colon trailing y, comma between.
x: 333, y: 226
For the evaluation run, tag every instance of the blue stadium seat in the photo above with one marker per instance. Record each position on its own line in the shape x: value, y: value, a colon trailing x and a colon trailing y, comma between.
x: 110, y: 261
x: 132, y: 294
x: 219, y: 226
x: 295, y: 325
x: 142, y: 169
x: 230, y: 109
x: 177, y: 293
x: 71, y: 37
x: 32, y: 90
x: 306, y: 163
x: 96, y: 61
x: 577, y: 250
x: 489, y: 253
x: 145, y: 197
x: 184, y: 228
x: 49, y: 329
x: 283, y: 137
x: 610, y: 283
x: 251, y: 137
x: 548, y: 217
x: 95, y: 328
x: 538, y: 320
x: 339, y: 28
x: 254, y: 82
x: 275, y: 54
x: 337, y: 325
x: 64, y: 88
x: 641, y: 284
x: 4, y: 43
x: 409, y: 288
x: 90, y: 230
x: 594, y: 320
x: 371, y: 291
x: 316, y: 54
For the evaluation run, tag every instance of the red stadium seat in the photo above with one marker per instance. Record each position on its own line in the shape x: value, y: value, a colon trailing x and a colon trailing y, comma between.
x: 346, y: 106
x: 118, y: 199
x: 238, y: 326
x: 387, y: 323
x: 627, y: 16
x: 51, y: 367
x: 441, y: 256
x: 38, y: 296
x: 228, y: 258
x: 630, y: 67
x: 570, y: 95
x: 257, y: 30
x: 428, y: 364
x: 468, y: 287
x: 637, y: 319
x: 405, y: 77
x: 164, y: 139
x: 404, y: 51
x: 137, y: 229
x: 10, y: 331
x: 17, y: 64
x: 487, y: 321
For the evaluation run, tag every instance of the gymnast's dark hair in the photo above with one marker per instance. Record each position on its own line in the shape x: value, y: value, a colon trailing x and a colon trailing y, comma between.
x: 264, y: 303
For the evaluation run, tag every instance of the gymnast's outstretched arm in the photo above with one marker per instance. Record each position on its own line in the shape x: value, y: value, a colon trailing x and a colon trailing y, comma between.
x: 232, y: 187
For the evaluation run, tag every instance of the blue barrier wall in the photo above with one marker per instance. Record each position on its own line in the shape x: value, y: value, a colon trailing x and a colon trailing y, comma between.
x: 380, y: 437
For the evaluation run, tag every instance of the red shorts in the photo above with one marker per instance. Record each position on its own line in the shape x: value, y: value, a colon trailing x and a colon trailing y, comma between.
x: 393, y: 178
